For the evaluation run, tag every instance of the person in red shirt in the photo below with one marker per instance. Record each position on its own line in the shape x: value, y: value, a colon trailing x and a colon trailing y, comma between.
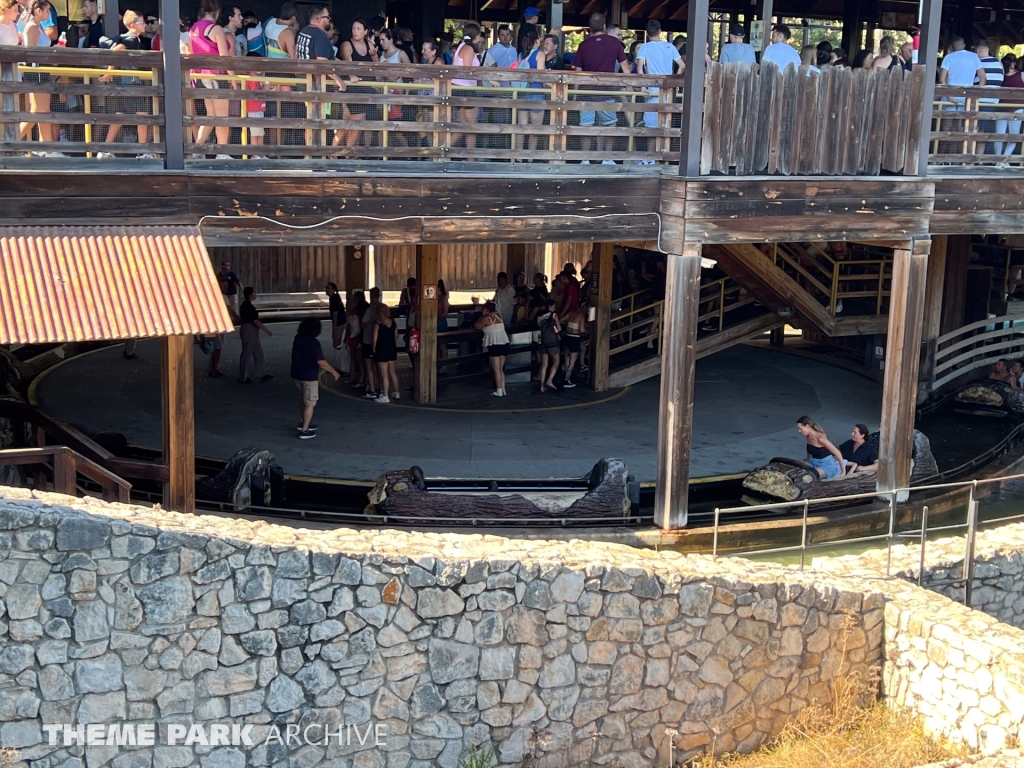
x: 600, y: 52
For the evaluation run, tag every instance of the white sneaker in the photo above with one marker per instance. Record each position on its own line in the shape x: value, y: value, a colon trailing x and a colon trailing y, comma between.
x: 395, y: 396
x: 55, y: 154
x: 498, y: 393
x: 584, y: 162
x: 147, y: 156
x: 224, y: 157
x: 607, y: 162
x: 104, y: 155
x: 382, y: 399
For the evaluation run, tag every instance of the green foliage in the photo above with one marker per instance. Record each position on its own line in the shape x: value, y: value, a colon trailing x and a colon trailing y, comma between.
x: 478, y: 758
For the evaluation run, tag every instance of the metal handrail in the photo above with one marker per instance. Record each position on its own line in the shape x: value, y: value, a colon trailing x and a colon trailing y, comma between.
x: 971, y: 526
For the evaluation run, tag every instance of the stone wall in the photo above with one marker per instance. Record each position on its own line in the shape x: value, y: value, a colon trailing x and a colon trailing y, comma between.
x: 961, y: 669
x: 581, y: 653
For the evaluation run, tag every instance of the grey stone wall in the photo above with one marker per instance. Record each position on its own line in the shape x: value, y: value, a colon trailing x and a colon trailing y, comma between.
x: 578, y: 653
x: 961, y: 669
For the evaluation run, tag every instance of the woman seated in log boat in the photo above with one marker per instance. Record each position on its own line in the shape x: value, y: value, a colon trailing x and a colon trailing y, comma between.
x: 822, y: 455
x: 859, y: 452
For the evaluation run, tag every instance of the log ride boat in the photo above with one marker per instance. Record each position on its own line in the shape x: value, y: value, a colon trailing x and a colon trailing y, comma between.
x: 607, y: 491
x: 787, y: 479
x: 989, y: 398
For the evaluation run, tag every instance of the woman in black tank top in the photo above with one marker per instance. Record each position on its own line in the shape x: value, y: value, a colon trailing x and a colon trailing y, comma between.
x: 358, y: 48
x: 821, y: 454
x: 385, y: 353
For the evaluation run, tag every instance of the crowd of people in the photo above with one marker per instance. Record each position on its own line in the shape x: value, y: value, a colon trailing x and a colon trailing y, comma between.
x: 225, y: 30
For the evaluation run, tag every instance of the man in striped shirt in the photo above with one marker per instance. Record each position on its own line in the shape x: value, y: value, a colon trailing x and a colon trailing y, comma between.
x: 993, y: 79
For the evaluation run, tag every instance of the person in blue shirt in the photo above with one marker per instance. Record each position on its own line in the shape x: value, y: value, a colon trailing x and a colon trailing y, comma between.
x: 780, y: 51
x: 307, y: 362
x: 736, y: 51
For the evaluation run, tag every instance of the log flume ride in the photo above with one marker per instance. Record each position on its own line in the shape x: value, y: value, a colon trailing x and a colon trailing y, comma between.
x: 989, y: 398
x: 784, y: 479
x: 608, y: 491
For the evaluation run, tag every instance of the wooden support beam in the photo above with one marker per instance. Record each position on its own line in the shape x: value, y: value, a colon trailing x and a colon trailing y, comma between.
x: 903, y: 354
x: 932, y: 327
x: 173, y: 132
x: 693, y: 88
x: 64, y: 475
x: 765, y: 12
x: 928, y: 57
x: 178, y: 418
x: 600, y: 329
x: 428, y: 259
x: 678, y: 360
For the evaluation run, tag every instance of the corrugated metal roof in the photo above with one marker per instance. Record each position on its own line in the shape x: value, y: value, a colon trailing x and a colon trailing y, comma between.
x: 91, y: 283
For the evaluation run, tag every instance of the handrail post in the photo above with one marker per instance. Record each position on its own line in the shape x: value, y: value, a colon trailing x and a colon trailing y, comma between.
x: 931, y: 21
x: 714, y: 539
x: 892, y: 531
x: 972, y: 528
x: 803, y: 534
x: 64, y: 473
x: 174, y: 131
x: 924, y: 542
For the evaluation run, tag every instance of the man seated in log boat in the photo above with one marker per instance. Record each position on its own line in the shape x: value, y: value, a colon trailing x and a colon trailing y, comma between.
x: 793, y: 480
x: 860, y: 453
x: 1001, y: 372
x: 1017, y: 369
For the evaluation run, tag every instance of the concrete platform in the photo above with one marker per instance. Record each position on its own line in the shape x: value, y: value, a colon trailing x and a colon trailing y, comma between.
x: 747, y: 403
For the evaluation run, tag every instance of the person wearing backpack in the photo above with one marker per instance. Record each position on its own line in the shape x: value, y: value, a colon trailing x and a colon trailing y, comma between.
x: 551, y: 343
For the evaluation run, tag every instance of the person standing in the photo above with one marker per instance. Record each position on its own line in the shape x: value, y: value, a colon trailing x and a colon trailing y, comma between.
x: 993, y: 79
x: 279, y: 32
x: 780, y: 51
x: 505, y: 298
x: 336, y: 308
x: 531, y: 23
x: 385, y: 353
x: 501, y: 54
x: 656, y: 57
x: 229, y: 282
x: 736, y: 51
x: 92, y: 14
x: 368, y: 321
x: 496, y: 343
x: 551, y: 344
x: 35, y: 36
x: 599, y: 53
x: 250, y: 363
x: 575, y: 330
x: 307, y: 362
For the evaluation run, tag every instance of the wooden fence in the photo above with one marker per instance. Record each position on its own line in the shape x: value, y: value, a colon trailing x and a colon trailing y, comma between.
x: 807, y: 121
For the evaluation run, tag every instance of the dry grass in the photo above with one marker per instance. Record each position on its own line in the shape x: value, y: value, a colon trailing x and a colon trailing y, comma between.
x: 853, y: 730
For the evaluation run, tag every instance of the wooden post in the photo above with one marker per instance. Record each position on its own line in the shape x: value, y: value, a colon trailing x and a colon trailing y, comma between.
x: 954, y: 293
x: 765, y: 14
x: 693, y: 84
x: 515, y: 261
x: 932, y: 314
x: 928, y: 57
x: 678, y: 360
x: 178, y: 417
x: 428, y: 258
x: 903, y: 346
x: 174, y: 133
x: 64, y: 474
x: 355, y: 270
x: 600, y: 329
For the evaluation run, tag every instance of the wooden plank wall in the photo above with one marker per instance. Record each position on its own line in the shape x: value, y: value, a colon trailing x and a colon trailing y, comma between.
x: 285, y: 269
x: 801, y: 122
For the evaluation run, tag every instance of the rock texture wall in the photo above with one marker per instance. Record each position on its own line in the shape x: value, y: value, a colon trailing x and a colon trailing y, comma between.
x: 579, y: 653
x: 962, y: 669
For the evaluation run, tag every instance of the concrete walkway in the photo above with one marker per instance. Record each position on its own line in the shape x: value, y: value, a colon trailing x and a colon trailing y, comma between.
x: 747, y: 402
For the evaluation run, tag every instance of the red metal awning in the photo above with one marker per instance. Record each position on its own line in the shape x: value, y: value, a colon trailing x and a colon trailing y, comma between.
x: 62, y: 284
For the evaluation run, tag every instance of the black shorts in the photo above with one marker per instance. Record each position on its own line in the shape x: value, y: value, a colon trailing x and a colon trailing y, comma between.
x: 498, y: 350
x: 367, y: 351
x: 573, y: 343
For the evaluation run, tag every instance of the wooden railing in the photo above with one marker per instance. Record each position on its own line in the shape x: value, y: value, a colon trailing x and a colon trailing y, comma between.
x: 977, y: 345
x: 319, y: 109
x: 804, y: 122
x: 55, y: 100
x: 858, y: 285
x: 977, y: 126
x: 64, y: 465
x: 637, y: 320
